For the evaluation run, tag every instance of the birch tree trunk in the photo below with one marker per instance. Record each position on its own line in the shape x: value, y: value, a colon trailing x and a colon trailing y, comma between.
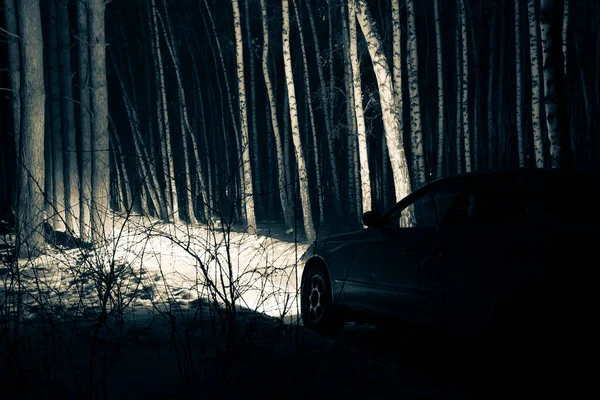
x: 186, y: 129
x: 248, y: 200
x: 465, y: 86
x: 554, y: 83
x: 440, y: 82
x: 285, y: 205
x: 302, y: 175
x: 402, y: 185
x: 30, y: 211
x: 256, y: 178
x: 501, y: 132
x: 326, y: 103
x: 310, y: 113
x: 365, y: 180
x: 459, y: 123
x: 350, y: 121
x: 14, y: 64
x: 565, y: 26
x: 519, y: 92
x: 397, y: 63
x: 84, y: 122
x: 416, y: 133
x: 100, y: 142
x: 172, y: 200
x: 536, y: 84
x: 56, y: 121
x: 477, y: 90
x: 71, y: 173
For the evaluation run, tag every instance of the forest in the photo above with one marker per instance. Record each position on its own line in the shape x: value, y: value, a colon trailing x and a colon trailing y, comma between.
x: 172, y: 160
x: 299, y: 113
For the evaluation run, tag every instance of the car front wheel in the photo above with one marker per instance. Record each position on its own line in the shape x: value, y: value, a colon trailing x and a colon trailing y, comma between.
x: 318, y: 310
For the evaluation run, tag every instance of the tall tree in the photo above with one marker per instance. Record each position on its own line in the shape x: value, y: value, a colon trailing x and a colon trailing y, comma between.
x: 85, y: 127
x: 519, y: 92
x: 10, y: 17
x: 536, y: 84
x: 99, y: 103
x: 58, y: 186
x: 164, y: 126
x: 285, y: 205
x: 465, y: 86
x: 31, y: 157
x: 551, y: 19
x: 365, y: 179
x: 397, y: 62
x: 289, y: 77
x: 248, y: 198
x: 440, y: 96
x: 255, y: 154
x: 71, y: 173
x: 395, y: 146
x: 416, y: 134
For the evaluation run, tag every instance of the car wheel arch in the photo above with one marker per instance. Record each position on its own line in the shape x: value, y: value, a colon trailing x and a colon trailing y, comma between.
x: 317, y: 260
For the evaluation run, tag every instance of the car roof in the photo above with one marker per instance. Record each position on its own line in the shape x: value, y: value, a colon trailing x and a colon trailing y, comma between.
x: 517, y: 173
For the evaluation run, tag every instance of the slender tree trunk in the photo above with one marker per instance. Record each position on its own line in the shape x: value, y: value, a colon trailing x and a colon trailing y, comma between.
x: 281, y: 168
x: 327, y: 106
x: 172, y: 200
x: 477, y: 91
x: 350, y: 121
x: 365, y: 180
x: 248, y: 200
x: 465, y: 86
x: 186, y: 129
x: 302, y: 175
x: 256, y: 178
x: 565, y: 27
x: 390, y: 118
x: 554, y: 83
x: 459, y: 83
x: 71, y: 173
x: 415, y: 100
x: 12, y: 37
x: 397, y: 63
x: 536, y: 84
x: 519, y: 80
x: 30, y: 211
x: 100, y: 142
x: 288, y: 163
x: 311, y: 114
x: 56, y: 125
x: 440, y: 82
x: 121, y: 163
x: 85, y: 128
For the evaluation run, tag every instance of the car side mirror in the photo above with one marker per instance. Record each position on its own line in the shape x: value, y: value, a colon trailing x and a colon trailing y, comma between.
x: 372, y: 219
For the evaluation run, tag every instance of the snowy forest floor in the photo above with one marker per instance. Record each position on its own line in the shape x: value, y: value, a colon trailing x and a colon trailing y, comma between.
x: 156, y: 325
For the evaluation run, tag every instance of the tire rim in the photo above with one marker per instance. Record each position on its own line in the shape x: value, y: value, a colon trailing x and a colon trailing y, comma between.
x: 315, y: 296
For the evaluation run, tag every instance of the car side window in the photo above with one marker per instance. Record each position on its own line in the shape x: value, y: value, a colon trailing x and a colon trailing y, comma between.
x: 420, y: 213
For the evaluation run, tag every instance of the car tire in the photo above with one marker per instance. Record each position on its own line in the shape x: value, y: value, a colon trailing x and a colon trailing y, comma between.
x: 316, y: 299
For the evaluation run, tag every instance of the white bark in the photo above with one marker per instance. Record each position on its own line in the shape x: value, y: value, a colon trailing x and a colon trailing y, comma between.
x: 416, y: 134
x: 100, y: 142
x: 402, y: 185
x: 289, y: 77
x: 440, y: 82
x: 172, y: 200
x: 536, y: 84
x: 465, y: 86
x: 365, y: 180
x: 71, y: 173
x: 10, y: 17
x: 459, y: 125
x: 565, y: 28
x: 248, y: 199
x: 85, y: 122
x: 519, y: 93
x: 285, y: 205
x: 30, y: 209
x: 397, y: 62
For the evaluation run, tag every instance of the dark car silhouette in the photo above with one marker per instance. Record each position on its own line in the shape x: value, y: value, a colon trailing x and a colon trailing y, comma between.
x: 477, y: 251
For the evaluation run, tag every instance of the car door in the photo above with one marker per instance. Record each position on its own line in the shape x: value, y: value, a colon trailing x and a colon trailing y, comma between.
x: 400, y: 253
